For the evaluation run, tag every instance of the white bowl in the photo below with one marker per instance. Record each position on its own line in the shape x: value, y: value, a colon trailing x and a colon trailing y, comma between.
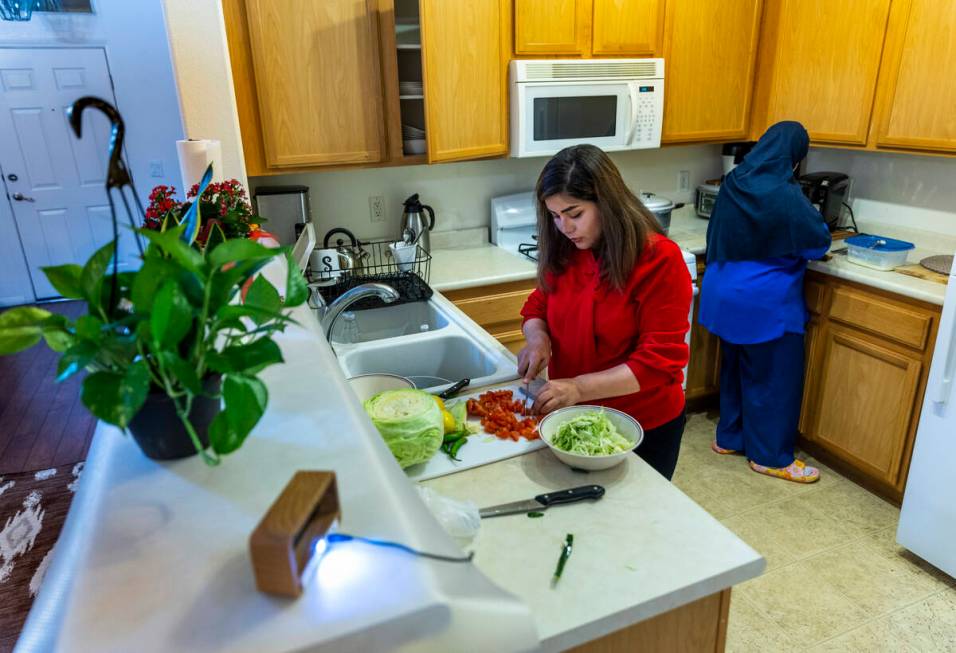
x: 624, y: 423
x: 415, y: 146
x: 366, y: 386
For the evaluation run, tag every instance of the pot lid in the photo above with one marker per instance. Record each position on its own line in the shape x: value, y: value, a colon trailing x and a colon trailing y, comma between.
x: 656, y: 202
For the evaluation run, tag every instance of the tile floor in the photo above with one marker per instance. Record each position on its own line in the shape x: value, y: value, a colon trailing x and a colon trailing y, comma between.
x: 836, y: 580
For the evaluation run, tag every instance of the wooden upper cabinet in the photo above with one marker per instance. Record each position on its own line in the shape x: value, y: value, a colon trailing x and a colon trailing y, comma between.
x: 465, y: 53
x: 552, y: 27
x: 626, y: 28
x: 917, y: 101
x: 318, y: 80
x: 709, y: 52
x: 818, y: 64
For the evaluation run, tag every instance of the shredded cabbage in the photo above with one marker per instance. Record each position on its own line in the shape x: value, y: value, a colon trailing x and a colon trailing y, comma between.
x: 590, y: 434
x: 410, y: 422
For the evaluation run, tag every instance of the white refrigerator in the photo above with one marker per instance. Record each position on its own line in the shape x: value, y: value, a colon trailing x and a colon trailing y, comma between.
x: 928, y: 518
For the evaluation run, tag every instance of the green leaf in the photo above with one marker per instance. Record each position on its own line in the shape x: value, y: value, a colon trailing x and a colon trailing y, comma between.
x: 91, y: 277
x: 58, y: 340
x: 154, y: 271
x: 259, y: 315
x: 182, y: 371
x: 169, y: 243
x: 89, y: 327
x: 21, y: 328
x: 171, y: 317
x: 245, y: 398
x: 216, y: 235
x: 249, y: 358
x: 239, y: 249
x: 66, y: 279
x: 75, y: 359
x: 264, y: 296
x: 296, y: 290
x: 116, y: 398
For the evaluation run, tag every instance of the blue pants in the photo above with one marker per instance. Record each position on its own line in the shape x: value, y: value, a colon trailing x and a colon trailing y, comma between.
x: 761, y: 387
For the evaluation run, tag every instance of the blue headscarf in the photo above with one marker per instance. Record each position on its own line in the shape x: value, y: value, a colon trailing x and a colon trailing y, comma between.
x: 760, y: 210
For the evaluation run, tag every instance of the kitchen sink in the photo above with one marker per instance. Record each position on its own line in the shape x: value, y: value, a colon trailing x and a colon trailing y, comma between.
x: 387, y: 322
x: 427, y: 362
x: 432, y: 343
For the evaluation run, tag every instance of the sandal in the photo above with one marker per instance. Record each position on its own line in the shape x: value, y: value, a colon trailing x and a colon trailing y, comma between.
x: 797, y: 471
x: 716, y: 448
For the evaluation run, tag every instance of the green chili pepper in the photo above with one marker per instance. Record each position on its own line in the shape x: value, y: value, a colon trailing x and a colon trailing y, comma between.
x: 535, y: 514
x: 565, y: 554
x: 455, y: 446
x: 453, y: 437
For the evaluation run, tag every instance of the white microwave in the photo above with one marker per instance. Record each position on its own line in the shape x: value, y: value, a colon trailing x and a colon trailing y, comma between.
x: 615, y: 104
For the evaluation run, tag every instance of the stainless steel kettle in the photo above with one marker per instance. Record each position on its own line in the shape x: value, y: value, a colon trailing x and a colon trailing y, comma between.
x: 415, y: 226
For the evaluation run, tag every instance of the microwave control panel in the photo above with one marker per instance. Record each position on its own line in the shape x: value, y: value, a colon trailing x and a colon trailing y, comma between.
x: 649, y: 114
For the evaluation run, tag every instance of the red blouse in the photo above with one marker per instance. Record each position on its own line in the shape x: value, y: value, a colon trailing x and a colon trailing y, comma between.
x: 594, y: 327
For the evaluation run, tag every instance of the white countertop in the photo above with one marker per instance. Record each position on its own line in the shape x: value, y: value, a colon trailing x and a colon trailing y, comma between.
x: 643, y: 549
x: 154, y: 556
x: 477, y: 266
x: 452, y: 269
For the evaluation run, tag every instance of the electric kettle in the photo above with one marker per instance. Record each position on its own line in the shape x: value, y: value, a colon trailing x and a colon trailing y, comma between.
x: 415, y: 226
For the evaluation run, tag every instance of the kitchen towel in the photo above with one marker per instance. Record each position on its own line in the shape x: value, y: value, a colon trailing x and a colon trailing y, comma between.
x: 194, y: 156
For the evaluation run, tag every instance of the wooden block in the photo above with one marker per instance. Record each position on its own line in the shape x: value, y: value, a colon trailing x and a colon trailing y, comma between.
x: 283, y: 542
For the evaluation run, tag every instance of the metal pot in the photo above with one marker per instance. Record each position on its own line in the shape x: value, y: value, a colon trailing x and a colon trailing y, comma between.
x: 661, y: 207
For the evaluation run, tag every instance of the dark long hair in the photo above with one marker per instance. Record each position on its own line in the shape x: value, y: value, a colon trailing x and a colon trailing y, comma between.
x: 585, y: 172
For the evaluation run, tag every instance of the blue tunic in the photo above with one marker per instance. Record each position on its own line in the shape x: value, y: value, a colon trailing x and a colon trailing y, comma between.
x: 749, y: 302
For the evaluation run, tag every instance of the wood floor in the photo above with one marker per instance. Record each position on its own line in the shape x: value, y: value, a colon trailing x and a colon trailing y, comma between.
x: 42, y: 423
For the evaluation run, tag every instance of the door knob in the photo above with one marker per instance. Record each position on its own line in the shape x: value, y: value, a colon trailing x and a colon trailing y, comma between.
x: 20, y: 197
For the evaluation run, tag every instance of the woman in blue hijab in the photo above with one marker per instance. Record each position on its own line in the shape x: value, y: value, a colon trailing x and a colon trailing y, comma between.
x: 762, y: 232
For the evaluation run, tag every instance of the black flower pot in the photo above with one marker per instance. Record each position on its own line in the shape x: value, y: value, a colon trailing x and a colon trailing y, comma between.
x: 160, y: 433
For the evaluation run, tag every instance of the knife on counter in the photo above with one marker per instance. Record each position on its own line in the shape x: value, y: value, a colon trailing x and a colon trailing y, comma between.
x: 544, y: 501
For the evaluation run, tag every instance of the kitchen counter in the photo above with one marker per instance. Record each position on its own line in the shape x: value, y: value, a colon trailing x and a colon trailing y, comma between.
x: 645, y: 548
x: 153, y: 556
x: 453, y: 269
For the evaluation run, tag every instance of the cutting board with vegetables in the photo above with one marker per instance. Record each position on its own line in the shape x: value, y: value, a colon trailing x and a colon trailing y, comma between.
x: 480, y: 448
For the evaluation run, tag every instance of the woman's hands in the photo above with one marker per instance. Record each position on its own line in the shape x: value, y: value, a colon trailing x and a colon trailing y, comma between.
x: 556, y: 394
x: 536, y: 353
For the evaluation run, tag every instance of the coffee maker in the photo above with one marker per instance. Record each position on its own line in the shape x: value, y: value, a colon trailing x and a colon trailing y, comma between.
x: 827, y: 191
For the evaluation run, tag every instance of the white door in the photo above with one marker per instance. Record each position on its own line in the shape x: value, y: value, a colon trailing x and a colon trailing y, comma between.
x: 54, y: 181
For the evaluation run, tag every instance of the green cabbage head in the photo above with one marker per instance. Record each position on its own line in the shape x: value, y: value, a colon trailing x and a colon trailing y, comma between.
x: 410, y: 422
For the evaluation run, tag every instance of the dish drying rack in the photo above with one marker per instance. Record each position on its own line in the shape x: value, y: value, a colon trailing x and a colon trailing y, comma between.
x: 374, y: 262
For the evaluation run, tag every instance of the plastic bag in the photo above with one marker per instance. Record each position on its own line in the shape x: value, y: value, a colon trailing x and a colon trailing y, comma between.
x: 460, y: 519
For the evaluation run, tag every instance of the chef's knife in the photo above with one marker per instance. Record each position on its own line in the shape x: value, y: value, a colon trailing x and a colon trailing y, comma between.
x: 543, y: 501
x: 531, y: 390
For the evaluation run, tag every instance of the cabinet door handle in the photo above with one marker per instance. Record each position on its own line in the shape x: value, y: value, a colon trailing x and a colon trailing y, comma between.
x: 20, y: 197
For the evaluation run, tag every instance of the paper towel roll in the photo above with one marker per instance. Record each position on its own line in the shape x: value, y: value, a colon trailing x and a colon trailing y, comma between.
x: 194, y: 156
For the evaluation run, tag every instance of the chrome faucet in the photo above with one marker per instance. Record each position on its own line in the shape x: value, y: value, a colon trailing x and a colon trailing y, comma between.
x: 329, y: 312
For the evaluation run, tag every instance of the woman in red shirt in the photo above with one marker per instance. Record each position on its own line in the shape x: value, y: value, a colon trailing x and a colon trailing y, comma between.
x: 610, y: 314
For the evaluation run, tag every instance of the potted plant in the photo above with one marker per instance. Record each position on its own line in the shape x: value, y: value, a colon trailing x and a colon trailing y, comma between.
x: 168, y: 344
x: 224, y: 206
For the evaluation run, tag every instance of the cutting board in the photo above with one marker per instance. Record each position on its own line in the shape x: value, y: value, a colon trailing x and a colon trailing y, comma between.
x: 918, y: 271
x: 482, y: 448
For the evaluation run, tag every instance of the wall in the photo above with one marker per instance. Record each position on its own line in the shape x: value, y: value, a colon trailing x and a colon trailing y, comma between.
x: 133, y: 33
x: 902, y: 189
x: 461, y: 193
x: 197, y: 39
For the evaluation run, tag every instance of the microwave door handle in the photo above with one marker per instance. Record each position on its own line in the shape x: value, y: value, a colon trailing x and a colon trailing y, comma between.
x: 632, y: 93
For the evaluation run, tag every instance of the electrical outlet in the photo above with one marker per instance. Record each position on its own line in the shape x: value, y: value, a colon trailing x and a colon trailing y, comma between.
x: 156, y: 168
x: 683, y: 181
x: 376, y: 208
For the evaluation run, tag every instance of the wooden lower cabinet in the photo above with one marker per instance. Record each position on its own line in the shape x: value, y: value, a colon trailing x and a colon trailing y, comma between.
x: 703, y: 370
x: 496, y: 308
x: 868, y: 356
x: 698, y: 627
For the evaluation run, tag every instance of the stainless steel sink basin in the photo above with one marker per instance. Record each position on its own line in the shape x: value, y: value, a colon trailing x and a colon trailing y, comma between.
x: 430, y: 362
x: 387, y: 322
